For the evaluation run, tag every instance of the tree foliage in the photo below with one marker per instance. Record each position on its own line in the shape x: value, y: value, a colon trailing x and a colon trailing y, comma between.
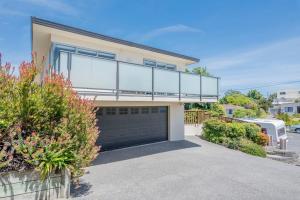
x: 255, y: 95
x: 200, y: 70
x: 238, y: 100
x: 253, y: 102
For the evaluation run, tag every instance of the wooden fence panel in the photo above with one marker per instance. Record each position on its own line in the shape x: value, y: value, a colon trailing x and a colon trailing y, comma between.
x: 199, y: 116
x: 195, y: 116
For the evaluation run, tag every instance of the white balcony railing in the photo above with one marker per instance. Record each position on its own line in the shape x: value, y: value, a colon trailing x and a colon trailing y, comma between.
x: 110, y: 77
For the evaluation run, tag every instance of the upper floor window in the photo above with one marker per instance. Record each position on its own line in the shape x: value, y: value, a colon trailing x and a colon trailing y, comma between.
x: 282, y: 93
x: 99, y: 54
x: 161, y: 65
x: 87, y: 52
x: 150, y: 63
x: 61, y: 56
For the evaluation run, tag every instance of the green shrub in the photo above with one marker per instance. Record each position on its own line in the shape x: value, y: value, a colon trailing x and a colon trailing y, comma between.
x: 289, y: 120
x: 261, y: 113
x: 242, y: 112
x: 296, y: 115
x: 214, y: 131
x: 220, y: 132
x: 235, y: 130
x: 232, y: 143
x: 217, y: 110
x: 45, y: 126
x: 251, y: 148
x: 252, y: 132
x: 242, y: 136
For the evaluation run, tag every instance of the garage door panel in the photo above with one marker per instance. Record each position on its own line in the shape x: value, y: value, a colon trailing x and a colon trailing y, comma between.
x: 122, y: 127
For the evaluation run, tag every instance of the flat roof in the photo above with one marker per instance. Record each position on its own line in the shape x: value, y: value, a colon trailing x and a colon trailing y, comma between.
x: 43, y: 22
x: 276, y: 122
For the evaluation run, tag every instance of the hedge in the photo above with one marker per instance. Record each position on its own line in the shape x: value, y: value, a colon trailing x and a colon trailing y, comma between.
x: 234, y: 134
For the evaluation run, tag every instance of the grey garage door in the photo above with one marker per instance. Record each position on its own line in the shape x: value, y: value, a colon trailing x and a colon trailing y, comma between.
x: 128, y: 126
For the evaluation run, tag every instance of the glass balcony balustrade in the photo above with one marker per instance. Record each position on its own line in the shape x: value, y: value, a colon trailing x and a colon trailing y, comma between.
x: 111, y: 77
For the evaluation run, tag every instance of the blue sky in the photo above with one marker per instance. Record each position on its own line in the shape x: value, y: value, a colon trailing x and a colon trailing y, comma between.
x: 247, y: 43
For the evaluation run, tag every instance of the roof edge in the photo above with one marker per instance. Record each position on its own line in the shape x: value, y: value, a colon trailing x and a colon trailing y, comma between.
x: 43, y: 22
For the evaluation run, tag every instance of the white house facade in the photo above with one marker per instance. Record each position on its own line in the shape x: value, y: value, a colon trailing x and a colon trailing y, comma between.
x: 286, y: 107
x: 140, y: 90
x: 287, y: 101
x: 288, y: 94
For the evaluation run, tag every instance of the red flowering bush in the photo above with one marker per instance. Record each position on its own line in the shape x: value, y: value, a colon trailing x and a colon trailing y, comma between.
x: 263, y: 139
x: 44, y: 124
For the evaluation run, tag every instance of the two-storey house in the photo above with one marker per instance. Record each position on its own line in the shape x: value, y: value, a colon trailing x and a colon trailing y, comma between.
x: 140, y: 89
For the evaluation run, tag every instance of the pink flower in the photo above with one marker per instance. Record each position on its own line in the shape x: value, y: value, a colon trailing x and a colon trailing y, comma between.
x: 33, y: 133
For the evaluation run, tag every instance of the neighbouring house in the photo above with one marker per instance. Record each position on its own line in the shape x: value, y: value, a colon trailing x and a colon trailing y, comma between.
x: 140, y: 90
x: 285, y: 107
x: 288, y: 94
x: 287, y: 101
x: 229, y: 109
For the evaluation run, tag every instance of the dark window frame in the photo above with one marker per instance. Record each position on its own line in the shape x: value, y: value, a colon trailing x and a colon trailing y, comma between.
x: 123, y: 111
x: 160, y: 65
x: 134, y: 111
x: 145, y: 110
x: 111, y: 111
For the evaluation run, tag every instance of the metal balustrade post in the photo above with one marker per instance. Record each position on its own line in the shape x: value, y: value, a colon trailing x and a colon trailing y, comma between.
x: 152, y: 83
x: 179, y: 85
x: 117, y: 81
x: 200, y: 88
x: 69, y: 65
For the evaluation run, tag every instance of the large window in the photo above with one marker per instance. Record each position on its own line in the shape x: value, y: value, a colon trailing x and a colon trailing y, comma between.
x: 153, y: 63
x: 288, y: 109
x: 281, y: 131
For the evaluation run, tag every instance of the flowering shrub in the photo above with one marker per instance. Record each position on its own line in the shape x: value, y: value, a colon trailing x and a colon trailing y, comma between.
x: 44, y: 125
x: 245, y: 137
x: 263, y: 139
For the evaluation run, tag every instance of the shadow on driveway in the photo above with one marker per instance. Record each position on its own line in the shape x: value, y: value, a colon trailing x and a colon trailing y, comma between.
x: 80, y: 190
x: 144, y: 150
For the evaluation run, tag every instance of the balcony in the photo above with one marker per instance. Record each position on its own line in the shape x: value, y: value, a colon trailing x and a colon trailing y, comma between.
x: 111, y: 80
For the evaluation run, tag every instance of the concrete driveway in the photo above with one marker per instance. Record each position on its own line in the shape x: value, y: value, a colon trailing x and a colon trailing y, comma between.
x: 191, y: 169
x: 294, y: 142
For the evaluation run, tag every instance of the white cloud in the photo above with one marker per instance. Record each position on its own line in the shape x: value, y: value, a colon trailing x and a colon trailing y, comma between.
x: 265, y: 65
x: 55, y: 5
x: 170, y: 29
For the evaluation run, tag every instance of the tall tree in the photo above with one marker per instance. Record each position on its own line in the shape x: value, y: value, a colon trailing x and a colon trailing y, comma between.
x: 254, y: 94
x: 200, y: 70
x: 232, y: 92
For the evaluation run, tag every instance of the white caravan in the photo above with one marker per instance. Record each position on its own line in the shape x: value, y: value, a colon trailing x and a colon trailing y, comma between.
x: 273, y: 127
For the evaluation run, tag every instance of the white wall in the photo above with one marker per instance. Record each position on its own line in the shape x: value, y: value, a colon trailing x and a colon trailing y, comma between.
x: 281, y: 107
x: 289, y: 94
x: 176, y: 122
